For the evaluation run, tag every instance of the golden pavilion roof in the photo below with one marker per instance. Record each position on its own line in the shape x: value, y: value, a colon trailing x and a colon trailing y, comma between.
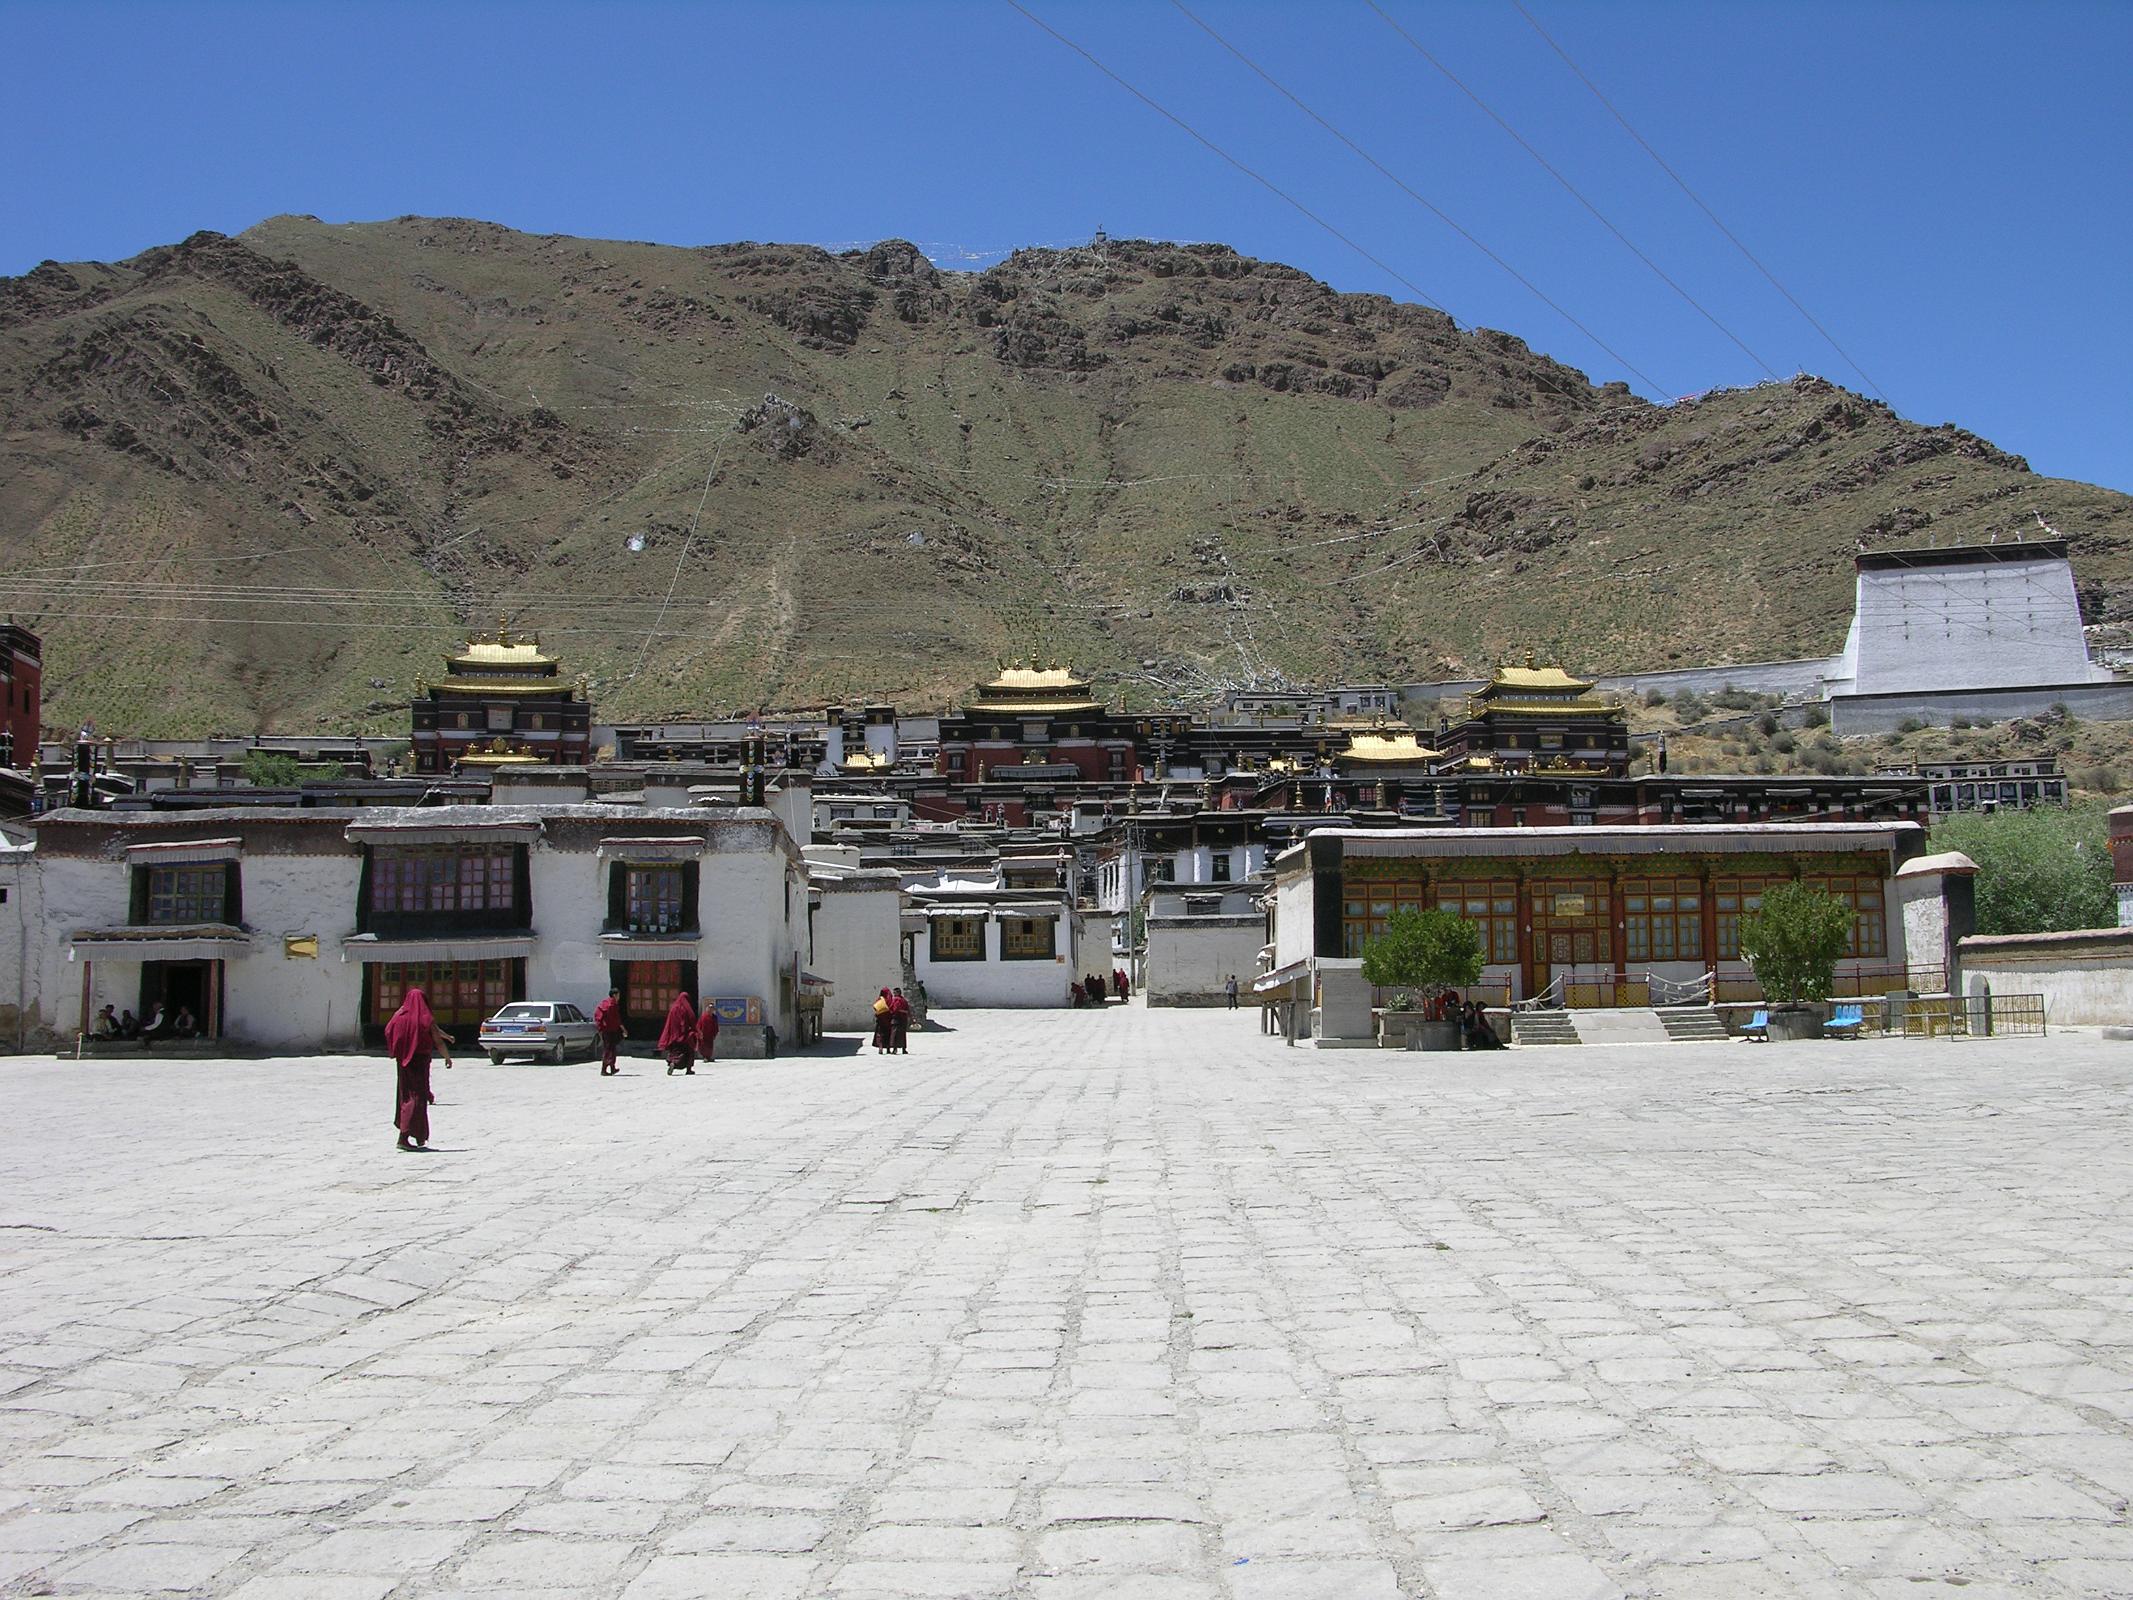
x: 1530, y: 677
x: 1540, y: 691
x: 497, y: 754
x: 1387, y: 747
x: 1035, y: 688
x: 524, y: 654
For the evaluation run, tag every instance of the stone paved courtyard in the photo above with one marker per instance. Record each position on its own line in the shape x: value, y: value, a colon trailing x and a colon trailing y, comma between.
x: 1064, y: 1306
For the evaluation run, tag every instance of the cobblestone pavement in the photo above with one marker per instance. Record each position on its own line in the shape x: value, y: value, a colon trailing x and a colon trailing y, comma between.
x: 1063, y: 1306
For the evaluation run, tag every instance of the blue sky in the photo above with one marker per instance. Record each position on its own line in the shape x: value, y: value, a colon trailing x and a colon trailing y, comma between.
x: 1943, y: 185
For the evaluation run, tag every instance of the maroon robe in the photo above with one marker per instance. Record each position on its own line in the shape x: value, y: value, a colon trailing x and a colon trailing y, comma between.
x: 707, y: 1033
x: 409, y: 1038
x: 677, y: 1040
x: 607, y: 1022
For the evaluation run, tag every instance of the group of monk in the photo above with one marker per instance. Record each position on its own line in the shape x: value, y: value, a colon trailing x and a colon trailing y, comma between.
x: 892, y: 1023
x: 688, y: 1034
x: 414, y: 1039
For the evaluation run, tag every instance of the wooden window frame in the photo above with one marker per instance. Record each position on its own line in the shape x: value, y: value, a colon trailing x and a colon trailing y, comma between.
x: 936, y: 950
x: 1024, y: 945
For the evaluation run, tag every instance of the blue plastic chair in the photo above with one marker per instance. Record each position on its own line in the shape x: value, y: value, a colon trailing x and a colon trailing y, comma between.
x: 1758, y: 1027
x: 1846, y: 1022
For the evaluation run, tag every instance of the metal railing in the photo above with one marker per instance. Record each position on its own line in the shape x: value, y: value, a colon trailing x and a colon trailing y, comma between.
x: 1548, y: 999
x: 1680, y: 991
x: 1859, y: 983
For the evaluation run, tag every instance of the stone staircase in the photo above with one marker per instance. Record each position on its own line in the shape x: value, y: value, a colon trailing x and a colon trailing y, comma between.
x: 1543, y: 1027
x: 1692, y: 1024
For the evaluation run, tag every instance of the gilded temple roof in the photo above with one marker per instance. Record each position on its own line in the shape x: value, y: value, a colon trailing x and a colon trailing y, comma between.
x: 1389, y: 747
x: 1033, y: 689
x: 523, y: 654
x: 1546, y: 679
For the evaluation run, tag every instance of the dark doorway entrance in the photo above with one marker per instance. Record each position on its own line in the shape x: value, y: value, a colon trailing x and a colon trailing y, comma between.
x: 187, y: 986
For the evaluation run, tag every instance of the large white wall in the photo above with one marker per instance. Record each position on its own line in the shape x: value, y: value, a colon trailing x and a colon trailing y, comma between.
x: 858, y: 945
x: 1966, y: 625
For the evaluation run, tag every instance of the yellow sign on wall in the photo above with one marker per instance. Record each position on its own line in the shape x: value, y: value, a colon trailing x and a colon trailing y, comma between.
x: 1569, y: 905
x: 300, y: 947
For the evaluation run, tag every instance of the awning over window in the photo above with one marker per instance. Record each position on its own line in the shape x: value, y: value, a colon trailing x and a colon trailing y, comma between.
x: 193, y: 941
x: 648, y: 946
x: 652, y: 849
x: 442, y: 833
x: 368, y: 948
x: 184, y: 852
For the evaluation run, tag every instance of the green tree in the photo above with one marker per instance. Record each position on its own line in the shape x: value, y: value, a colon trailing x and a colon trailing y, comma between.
x: 1795, y: 941
x: 2039, y: 871
x: 266, y: 769
x: 1426, y: 950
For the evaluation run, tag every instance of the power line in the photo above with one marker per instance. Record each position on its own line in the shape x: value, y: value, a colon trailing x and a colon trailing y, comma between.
x: 1428, y: 205
x: 1259, y: 178
x: 1682, y: 184
x: 1573, y: 190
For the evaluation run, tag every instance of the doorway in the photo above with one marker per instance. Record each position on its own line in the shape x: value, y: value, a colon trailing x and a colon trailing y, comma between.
x: 183, y: 986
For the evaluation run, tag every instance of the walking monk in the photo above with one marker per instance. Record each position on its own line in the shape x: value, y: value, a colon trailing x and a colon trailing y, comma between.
x: 411, y: 1036
x: 677, y: 1040
x: 707, y: 1030
x: 607, y: 1022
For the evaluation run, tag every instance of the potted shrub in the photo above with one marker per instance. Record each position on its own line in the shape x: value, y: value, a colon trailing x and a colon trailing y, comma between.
x: 1794, y: 944
x: 1428, y: 953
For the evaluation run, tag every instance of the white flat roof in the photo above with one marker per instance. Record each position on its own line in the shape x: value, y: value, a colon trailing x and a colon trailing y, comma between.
x: 1652, y: 839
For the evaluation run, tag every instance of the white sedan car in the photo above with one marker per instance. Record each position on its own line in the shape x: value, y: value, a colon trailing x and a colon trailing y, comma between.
x: 550, y: 1029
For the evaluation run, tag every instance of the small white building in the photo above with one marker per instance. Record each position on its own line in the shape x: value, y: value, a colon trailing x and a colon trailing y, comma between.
x: 302, y: 928
x: 1011, y: 938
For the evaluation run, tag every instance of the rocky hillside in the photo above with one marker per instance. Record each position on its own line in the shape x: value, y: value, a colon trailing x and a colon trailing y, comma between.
x: 265, y: 482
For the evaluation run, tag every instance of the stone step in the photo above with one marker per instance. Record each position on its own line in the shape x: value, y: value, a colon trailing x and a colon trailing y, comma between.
x: 1692, y: 1023
x: 1543, y: 1027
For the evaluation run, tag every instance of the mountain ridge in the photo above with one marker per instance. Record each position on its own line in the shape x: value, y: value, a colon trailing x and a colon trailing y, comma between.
x: 304, y: 459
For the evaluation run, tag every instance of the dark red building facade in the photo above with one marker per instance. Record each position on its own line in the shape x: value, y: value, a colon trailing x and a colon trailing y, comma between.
x: 21, y: 695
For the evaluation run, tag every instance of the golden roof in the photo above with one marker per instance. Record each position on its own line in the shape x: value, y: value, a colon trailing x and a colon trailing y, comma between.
x: 497, y: 754
x: 488, y: 686
x: 1036, y: 677
x: 1387, y: 747
x: 1015, y: 708
x: 867, y: 761
x: 1534, y: 677
x: 1035, y: 687
x: 503, y: 651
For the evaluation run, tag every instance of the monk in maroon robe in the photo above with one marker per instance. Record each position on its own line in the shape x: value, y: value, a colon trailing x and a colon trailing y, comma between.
x: 411, y: 1037
x: 677, y: 1040
x: 899, y: 1024
x: 607, y: 1022
x: 707, y: 1031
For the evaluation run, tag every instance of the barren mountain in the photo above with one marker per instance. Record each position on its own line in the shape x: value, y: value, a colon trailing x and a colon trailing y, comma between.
x: 264, y: 482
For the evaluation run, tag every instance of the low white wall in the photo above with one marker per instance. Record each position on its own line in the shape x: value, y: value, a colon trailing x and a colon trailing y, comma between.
x: 2085, y: 977
x: 1190, y: 958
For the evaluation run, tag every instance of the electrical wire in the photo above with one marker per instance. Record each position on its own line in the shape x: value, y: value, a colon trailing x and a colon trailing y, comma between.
x: 1573, y: 190
x: 1682, y: 184
x: 1428, y: 205
x: 1257, y: 177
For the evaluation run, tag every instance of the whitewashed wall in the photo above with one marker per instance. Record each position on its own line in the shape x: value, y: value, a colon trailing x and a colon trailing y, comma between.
x: 1190, y: 958
x: 993, y: 982
x: 21, y: 971
x: 858, y: 946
